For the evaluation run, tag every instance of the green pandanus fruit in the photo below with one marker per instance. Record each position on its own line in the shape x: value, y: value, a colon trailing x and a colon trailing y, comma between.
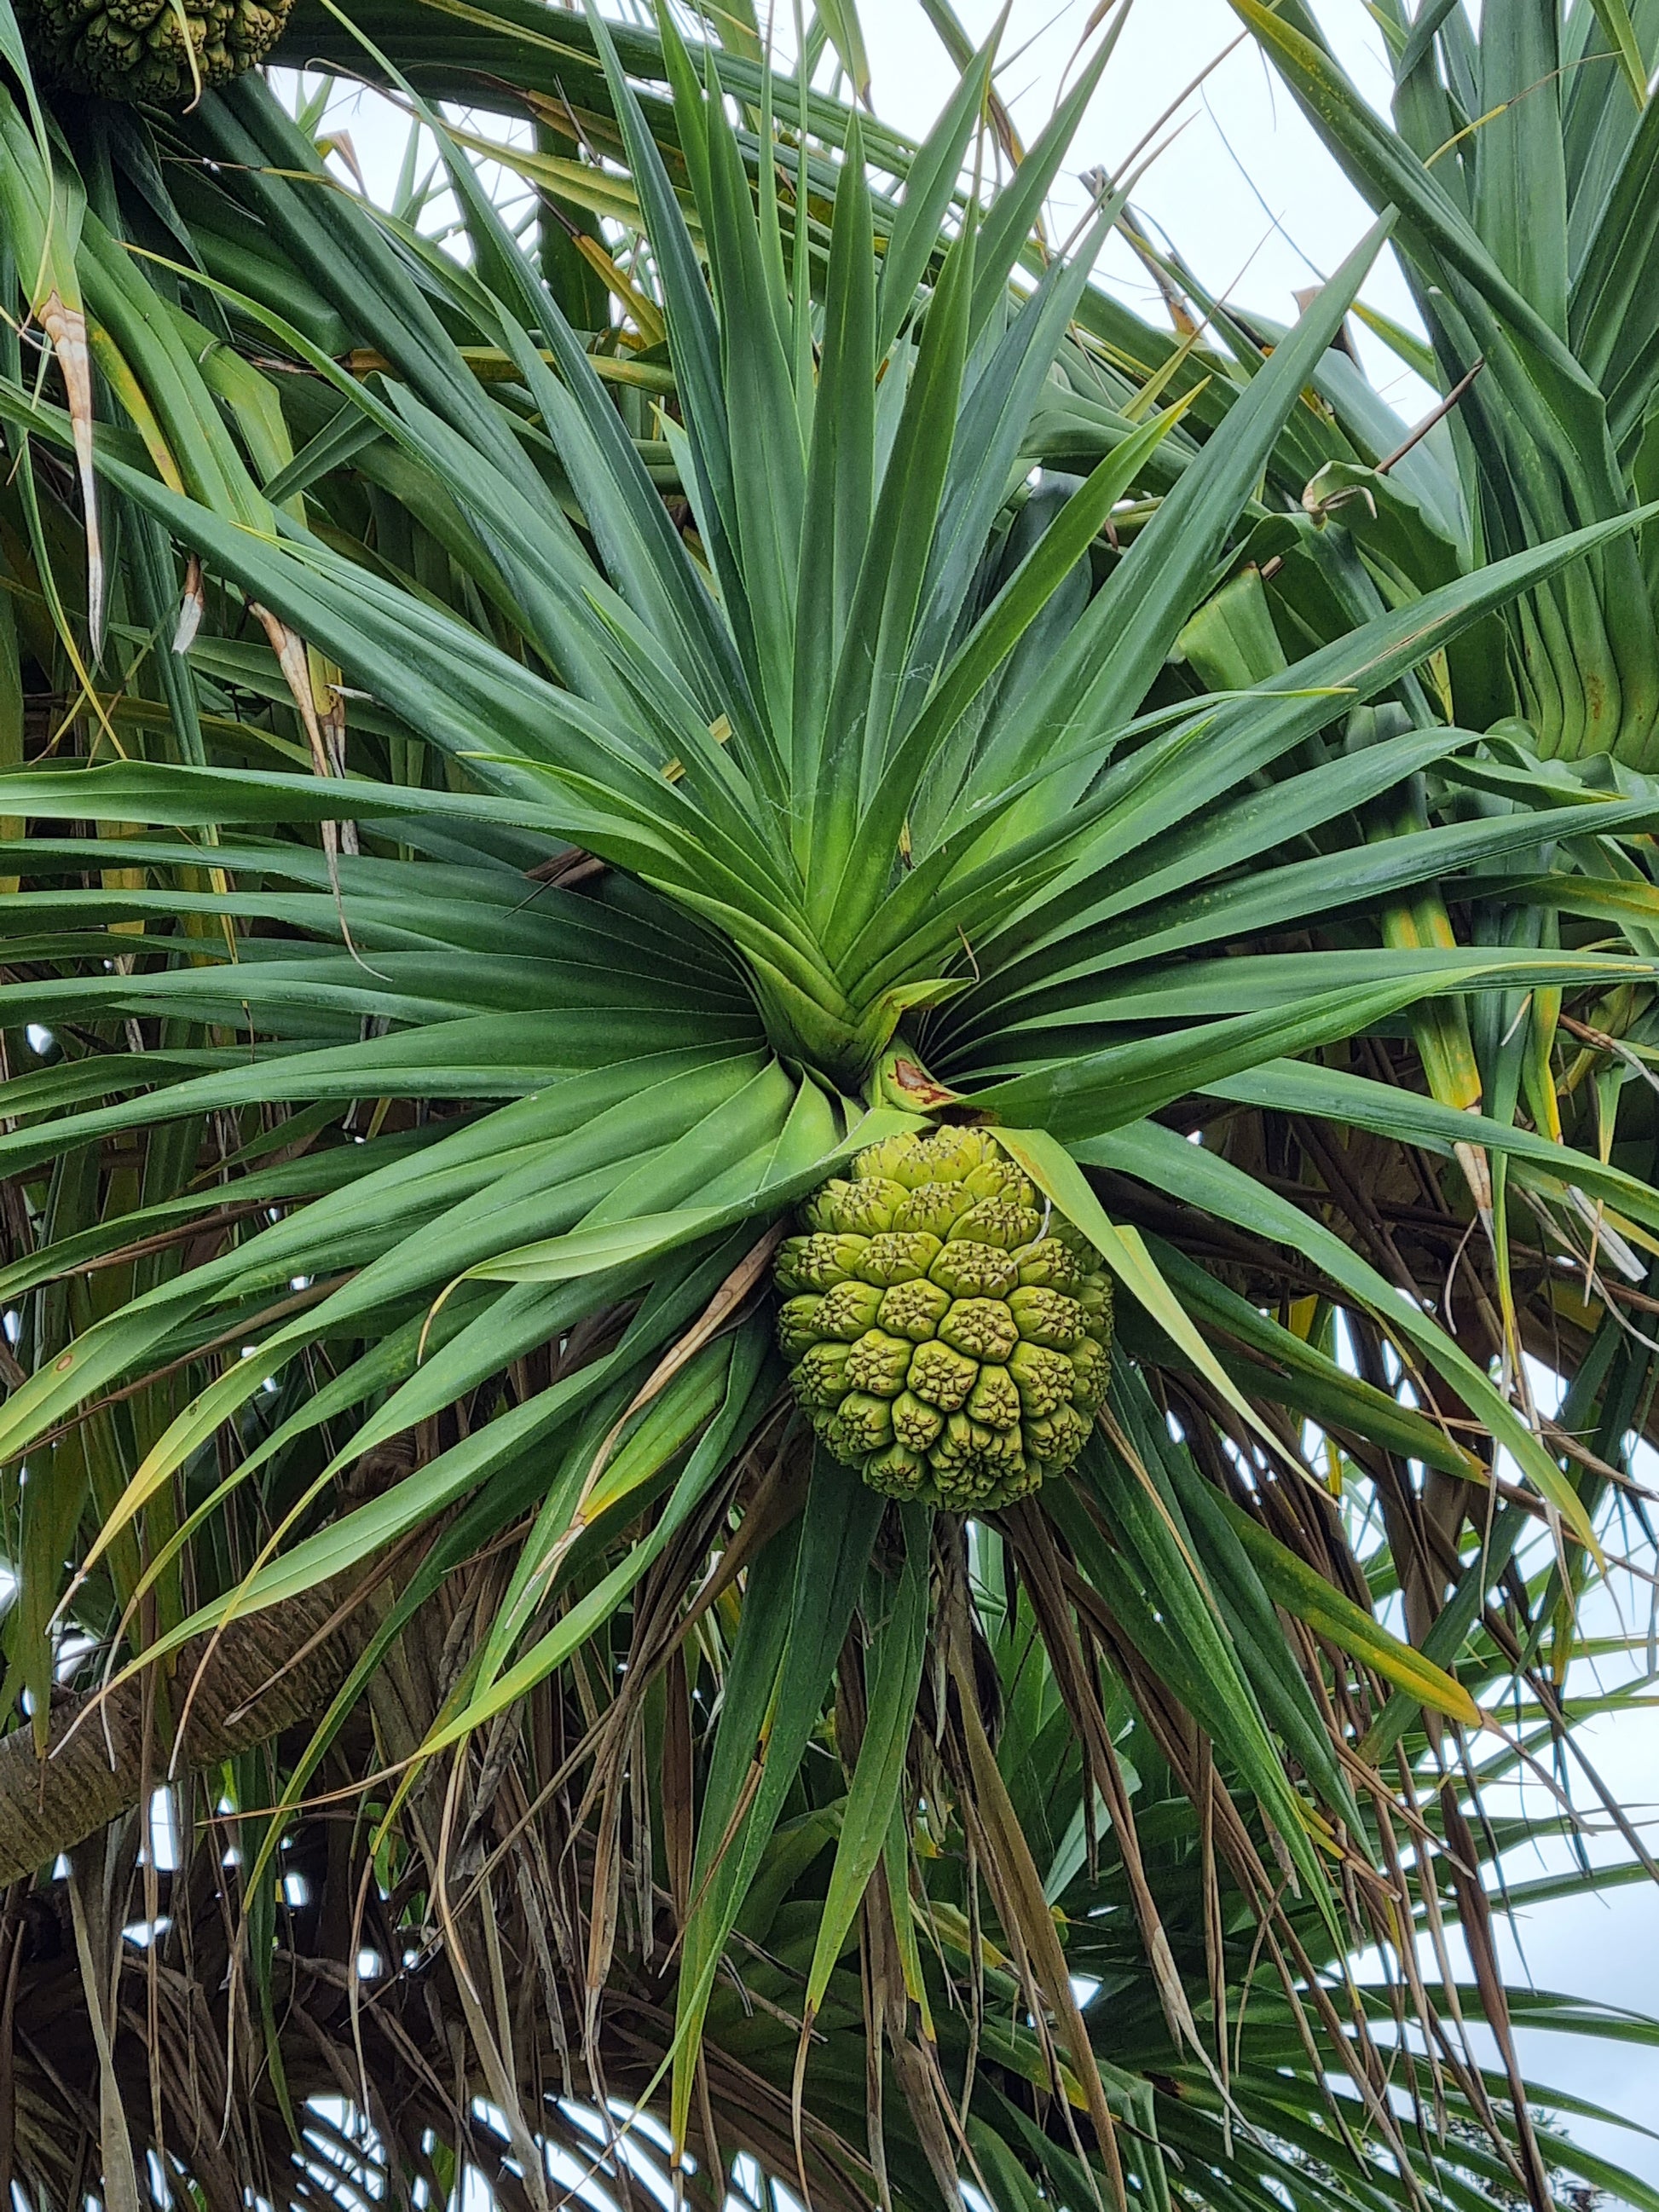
x: 156, y: 52
x: 948, y: 1333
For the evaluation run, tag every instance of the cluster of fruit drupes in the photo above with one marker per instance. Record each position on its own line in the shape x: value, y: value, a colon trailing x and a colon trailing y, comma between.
x: 949, y: 1334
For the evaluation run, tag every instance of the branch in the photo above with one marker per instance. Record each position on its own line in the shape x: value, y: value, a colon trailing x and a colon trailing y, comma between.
x: 268, y: 1672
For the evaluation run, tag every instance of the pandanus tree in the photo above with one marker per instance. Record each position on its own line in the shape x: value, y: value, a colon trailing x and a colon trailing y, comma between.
x: 614, y: 819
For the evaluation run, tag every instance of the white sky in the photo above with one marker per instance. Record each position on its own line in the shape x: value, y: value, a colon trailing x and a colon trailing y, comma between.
x: 1260, y: 237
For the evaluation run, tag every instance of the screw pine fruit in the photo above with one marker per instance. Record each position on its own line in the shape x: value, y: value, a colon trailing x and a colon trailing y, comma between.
x: 948, y: 1333
x: 157, y: 51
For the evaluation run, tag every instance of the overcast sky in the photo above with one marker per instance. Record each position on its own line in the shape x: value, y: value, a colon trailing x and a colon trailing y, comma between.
x: 1259, y: 212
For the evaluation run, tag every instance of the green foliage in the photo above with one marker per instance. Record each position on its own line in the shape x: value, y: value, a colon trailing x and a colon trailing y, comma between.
x: 600, y: 721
